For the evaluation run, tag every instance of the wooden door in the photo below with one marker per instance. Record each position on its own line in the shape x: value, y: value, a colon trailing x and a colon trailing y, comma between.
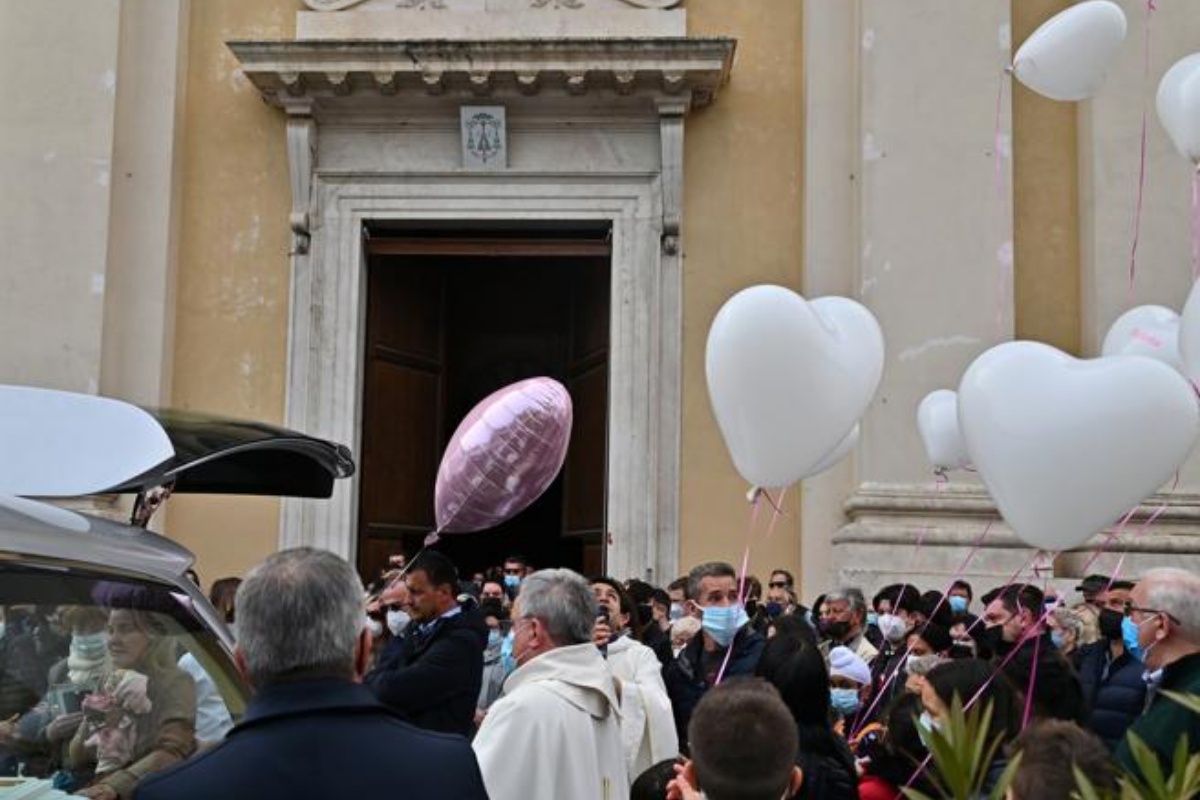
x: 586, y: 470
x: 402, y: 407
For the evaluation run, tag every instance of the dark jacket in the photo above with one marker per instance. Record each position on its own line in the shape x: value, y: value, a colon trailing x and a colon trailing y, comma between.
x: 828, y: 768
x: 1165, y: 721
x: 1057, y: 692
x: 686, y: 680
x: 433, y: 679
x: 320, y: 739
x: 1113, y: 688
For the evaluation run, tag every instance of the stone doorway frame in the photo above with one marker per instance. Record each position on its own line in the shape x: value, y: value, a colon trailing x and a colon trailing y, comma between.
x: 327, y: 334
x: 656, y: 80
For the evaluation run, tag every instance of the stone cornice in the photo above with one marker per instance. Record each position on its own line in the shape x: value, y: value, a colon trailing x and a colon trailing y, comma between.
x: 972, y: 500
x: 691, y: 69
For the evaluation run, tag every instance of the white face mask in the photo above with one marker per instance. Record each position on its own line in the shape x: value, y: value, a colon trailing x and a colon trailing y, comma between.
x: 397, y: 621
x: 892, y: 627
x: 375, y: 627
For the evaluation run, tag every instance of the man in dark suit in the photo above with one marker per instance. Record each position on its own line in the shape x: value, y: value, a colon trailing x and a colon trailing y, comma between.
x: 433, y: 678
x: 311, y: 731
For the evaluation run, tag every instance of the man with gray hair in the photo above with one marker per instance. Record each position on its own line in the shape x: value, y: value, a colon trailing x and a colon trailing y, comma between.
x: 311, y: 730
x: 843, y: 623
x: 1162, y: 628
x: 556, y: 732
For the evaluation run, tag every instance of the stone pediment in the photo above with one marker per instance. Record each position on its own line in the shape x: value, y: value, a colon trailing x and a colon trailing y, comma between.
x: 690, y: 70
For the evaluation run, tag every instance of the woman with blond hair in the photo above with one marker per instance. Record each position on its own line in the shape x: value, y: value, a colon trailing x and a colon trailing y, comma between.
x: 142, y: 718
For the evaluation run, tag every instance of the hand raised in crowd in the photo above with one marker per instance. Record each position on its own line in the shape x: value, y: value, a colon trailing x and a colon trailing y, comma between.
x: 680, y: 788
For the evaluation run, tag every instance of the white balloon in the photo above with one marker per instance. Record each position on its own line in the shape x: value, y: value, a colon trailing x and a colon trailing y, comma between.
x: 1066, y: 447
x: 1189, y: 335
x: 839, y: 452
x: 937, y: 422
x: 1151, y: 331
x: 789, y: 378
x: 1178, y: 104
x: 63, y: 444
x: 1067, y: 57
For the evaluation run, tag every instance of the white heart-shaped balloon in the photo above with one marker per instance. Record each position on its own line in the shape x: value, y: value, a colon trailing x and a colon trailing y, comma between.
x: 1151, y: 331
x: 937, y: 422
x: 788, y: 379
x: 839, y: 452
x: 1178, y: 105
x: 1066, y: 447
x: 1189, y: 335
x: 1067, y: 57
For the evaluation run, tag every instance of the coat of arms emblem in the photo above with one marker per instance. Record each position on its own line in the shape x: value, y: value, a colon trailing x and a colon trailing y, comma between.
x: 485, y: 136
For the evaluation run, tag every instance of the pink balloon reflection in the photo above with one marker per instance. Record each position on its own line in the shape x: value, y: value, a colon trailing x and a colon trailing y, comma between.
x: 503, y: 455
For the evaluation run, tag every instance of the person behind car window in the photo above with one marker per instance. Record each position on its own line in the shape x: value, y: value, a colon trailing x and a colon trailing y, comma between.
x: 142, y: 718
x: 40, y: 737
x: 221, y: 596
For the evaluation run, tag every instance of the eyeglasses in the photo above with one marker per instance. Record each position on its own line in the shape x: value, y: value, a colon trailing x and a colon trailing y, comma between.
x: 514, y: 571
x: 1130, y: 608
x: 778, y: 584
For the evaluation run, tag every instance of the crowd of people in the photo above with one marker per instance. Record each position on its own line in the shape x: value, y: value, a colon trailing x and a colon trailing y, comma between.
x: 524, y: 683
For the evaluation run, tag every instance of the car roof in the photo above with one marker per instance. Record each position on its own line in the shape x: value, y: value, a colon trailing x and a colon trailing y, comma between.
x: 35, y: 530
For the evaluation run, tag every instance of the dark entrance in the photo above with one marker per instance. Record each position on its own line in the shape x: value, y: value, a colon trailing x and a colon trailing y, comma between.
x: 450, y: 319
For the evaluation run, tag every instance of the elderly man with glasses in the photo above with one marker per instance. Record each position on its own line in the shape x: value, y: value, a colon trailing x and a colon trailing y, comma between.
x: 1162, y: 627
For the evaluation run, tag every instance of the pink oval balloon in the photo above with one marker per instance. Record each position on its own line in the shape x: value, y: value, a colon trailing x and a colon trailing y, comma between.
x: 503, y: 455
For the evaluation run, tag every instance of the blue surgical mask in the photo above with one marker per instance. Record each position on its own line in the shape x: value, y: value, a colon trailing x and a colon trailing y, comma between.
x: 507, y: 662
x: 774, y: 609
x: 1058, y: 638
x: 676, y: 611
x: 844, y: 701
x: 722, y: 622
x: 1129, y: 634
x: 958, y: 604
x: 493, y: 639
x: 512, y: 581
x: 90, y: 645
x: 872, y: 618
x: 927, y: 722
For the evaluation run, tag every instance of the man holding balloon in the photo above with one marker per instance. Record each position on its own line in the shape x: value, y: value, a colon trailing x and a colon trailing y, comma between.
x: 727, y: 646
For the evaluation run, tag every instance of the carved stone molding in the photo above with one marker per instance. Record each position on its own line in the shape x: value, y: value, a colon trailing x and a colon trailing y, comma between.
x: 926, y: 535
x: 670, y: 122
x: 692, y: 69
x: 302, y: 155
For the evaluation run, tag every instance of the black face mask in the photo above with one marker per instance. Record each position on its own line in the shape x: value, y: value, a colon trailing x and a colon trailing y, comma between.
x: 990, y: 642
x: 751, y: 607
x: 837, y: 631
x: 1110, y: 624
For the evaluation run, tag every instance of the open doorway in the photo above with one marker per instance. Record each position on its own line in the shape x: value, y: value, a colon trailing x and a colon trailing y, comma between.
x: 452, y: 317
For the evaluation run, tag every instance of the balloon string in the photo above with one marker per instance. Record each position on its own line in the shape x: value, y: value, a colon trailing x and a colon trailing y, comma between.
x: 940, y: 482
x: 1037, y: 649
x: 755, y: 496
x: 1141, y: 189
x: 891, y: 677
x: 1196, y: 223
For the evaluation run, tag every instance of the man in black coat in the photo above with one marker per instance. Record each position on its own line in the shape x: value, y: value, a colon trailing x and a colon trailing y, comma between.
x: 726, y: 646
x: 433, y: 678
x: 311, y: 731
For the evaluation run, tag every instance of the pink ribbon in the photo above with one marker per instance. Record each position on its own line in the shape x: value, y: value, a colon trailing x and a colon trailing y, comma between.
x: 1196, y: 223
x: 1141, y: 190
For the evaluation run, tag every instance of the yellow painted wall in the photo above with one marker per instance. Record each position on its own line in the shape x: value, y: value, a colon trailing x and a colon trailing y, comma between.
x: 1046, y: 282
x: 742, y: 225
x: 231, y: 323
